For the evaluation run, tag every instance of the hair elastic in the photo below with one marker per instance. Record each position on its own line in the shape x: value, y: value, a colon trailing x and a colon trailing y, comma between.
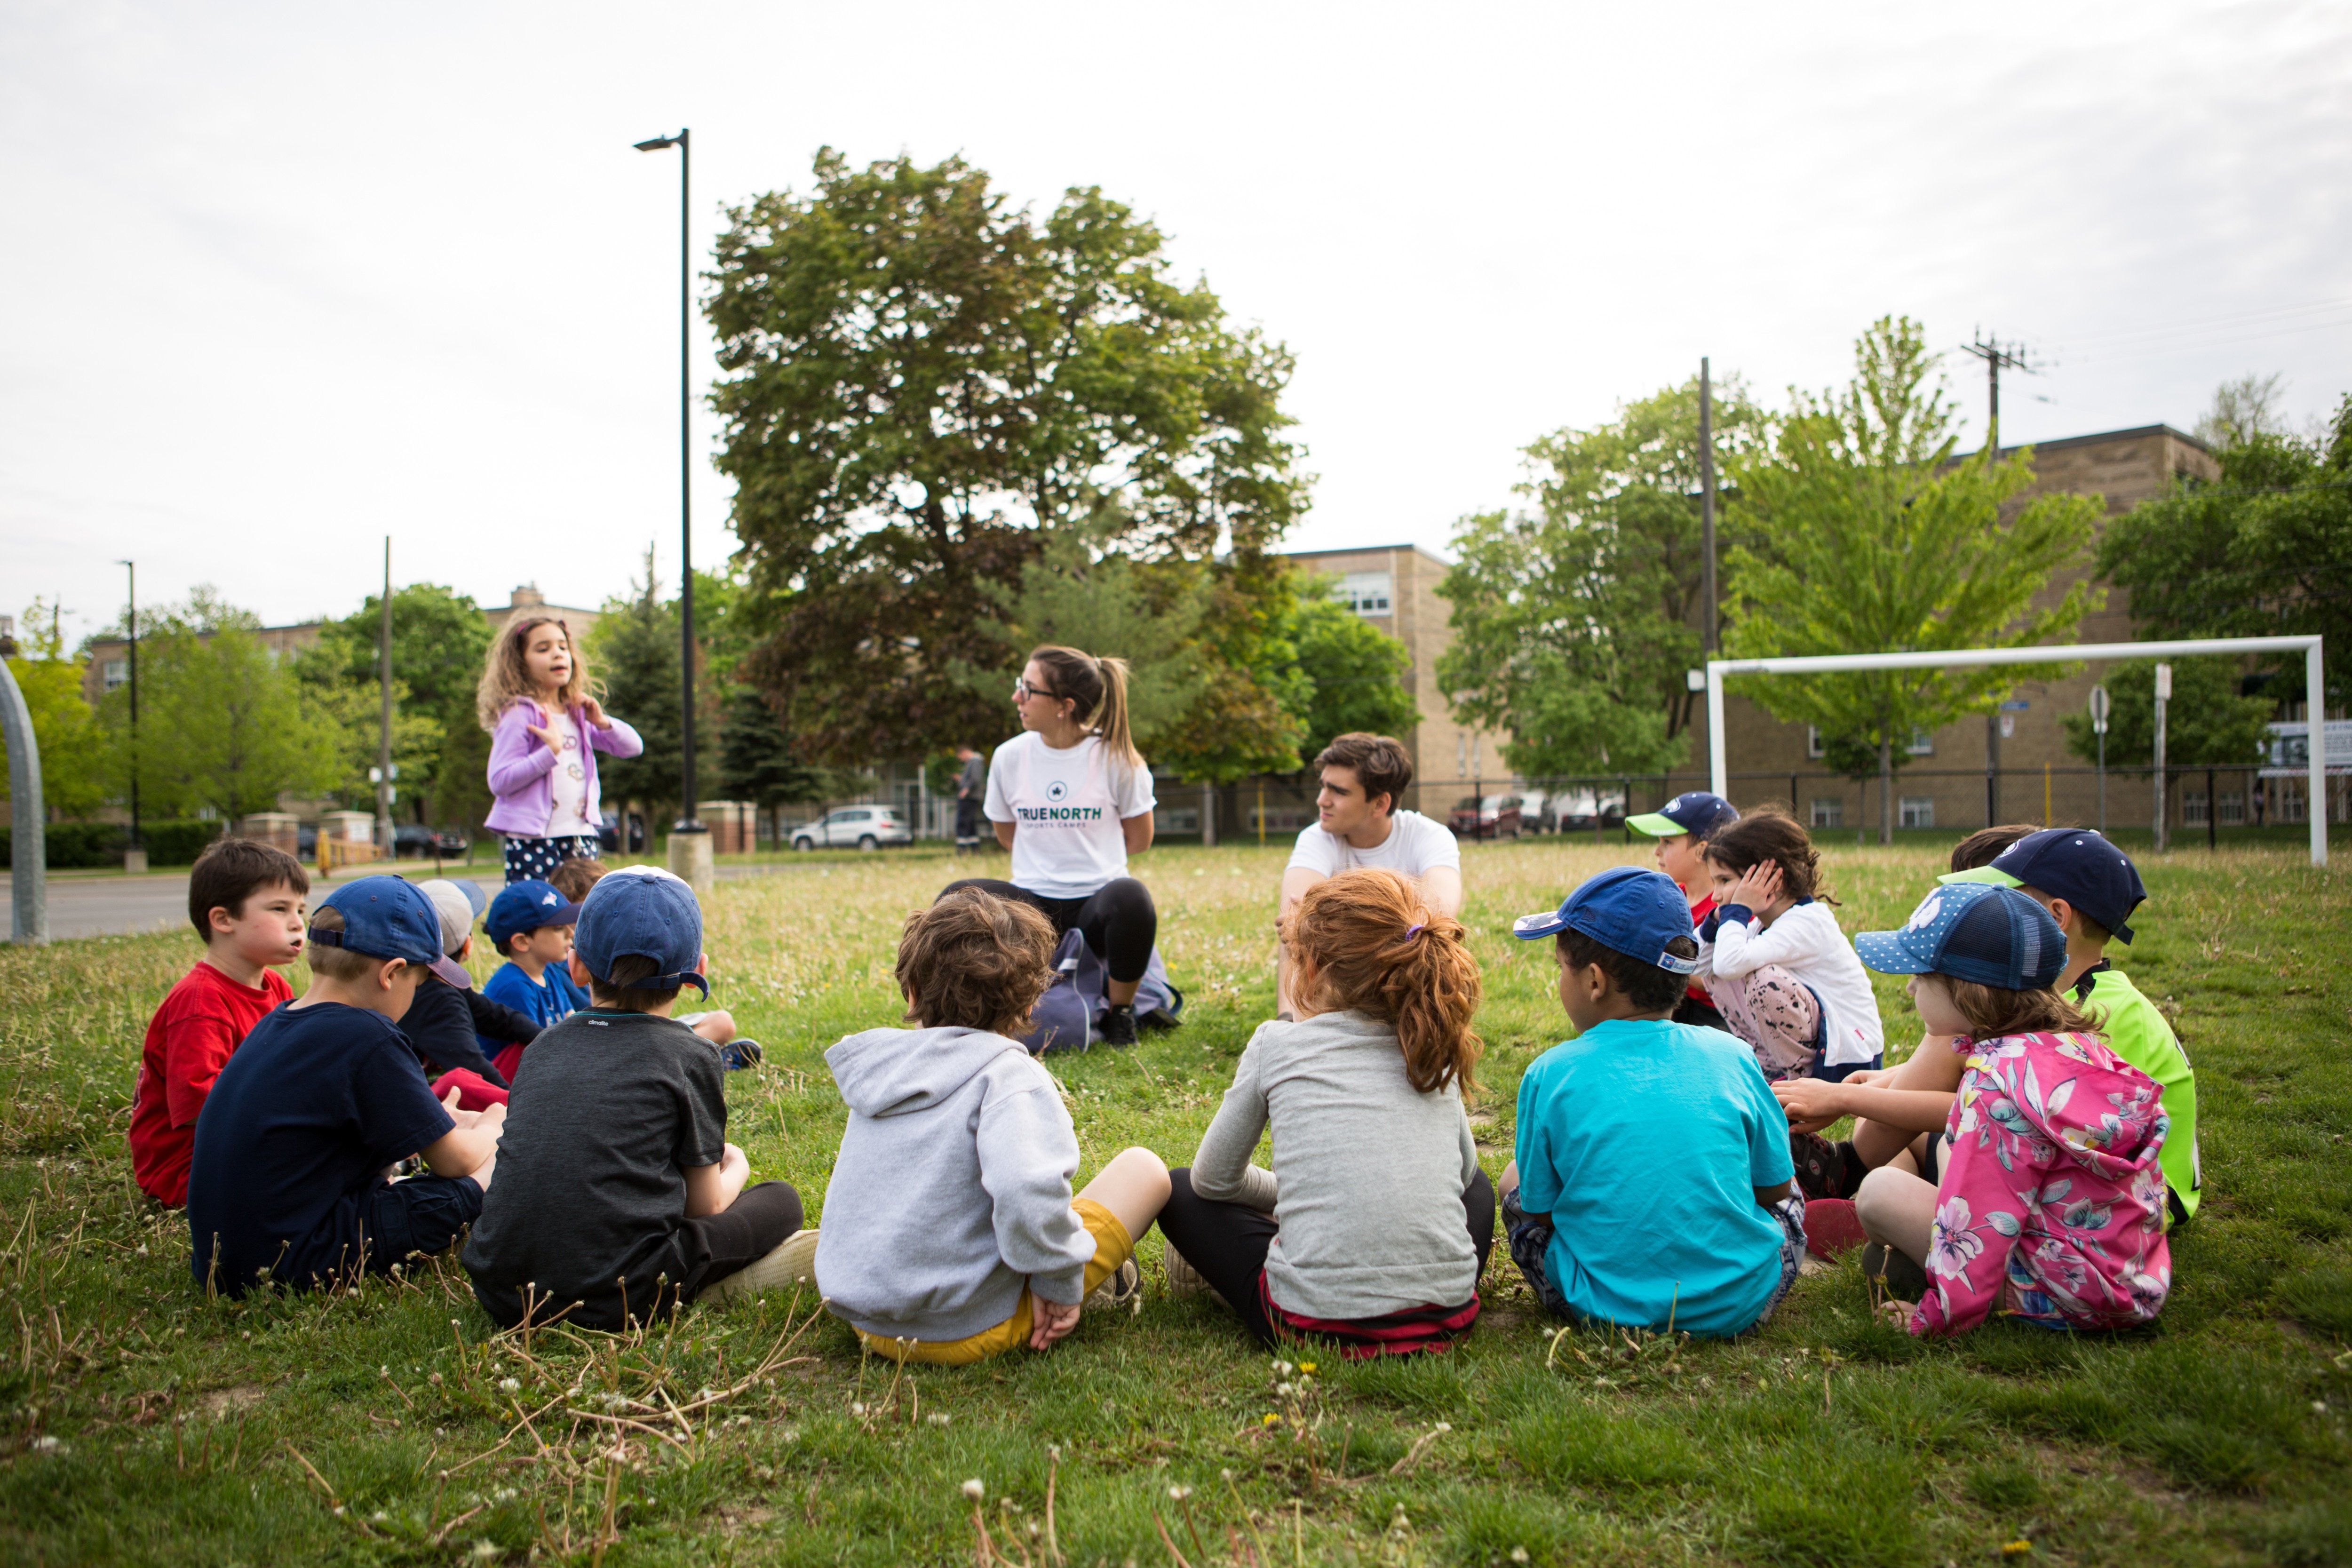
x: 1411, y: 931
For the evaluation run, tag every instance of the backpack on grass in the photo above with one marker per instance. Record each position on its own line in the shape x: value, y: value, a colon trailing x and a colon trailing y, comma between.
x: 1066, y: 1016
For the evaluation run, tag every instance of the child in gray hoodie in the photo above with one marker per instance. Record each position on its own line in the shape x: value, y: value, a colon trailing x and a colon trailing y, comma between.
x: 951, y: 1235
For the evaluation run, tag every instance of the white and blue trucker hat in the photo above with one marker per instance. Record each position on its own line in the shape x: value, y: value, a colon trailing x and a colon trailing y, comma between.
x: 1972, y: 931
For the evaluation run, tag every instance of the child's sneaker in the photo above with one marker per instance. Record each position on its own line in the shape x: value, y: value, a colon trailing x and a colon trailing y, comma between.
x: 793, y: 1263
x: 1821, y: 1169
x: 1120, y: 1288
x: 1118, y: 1024
x: 1832, y: 1229
x: 740, y: 1053
x: 1184, y: 1280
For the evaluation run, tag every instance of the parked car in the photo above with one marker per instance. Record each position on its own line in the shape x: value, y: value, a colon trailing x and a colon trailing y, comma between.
x: 305, y: 841
x: 1575, y: 810
x: 1531, y: 809
x: 608, y: 833
x: 866, y: 827
x: 414, y: 840
x: 1486, y: 816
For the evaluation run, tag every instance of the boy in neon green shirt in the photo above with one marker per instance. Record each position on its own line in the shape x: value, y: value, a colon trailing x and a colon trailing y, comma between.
x: 2091, y: 888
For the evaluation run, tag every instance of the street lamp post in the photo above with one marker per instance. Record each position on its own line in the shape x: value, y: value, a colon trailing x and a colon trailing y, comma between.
x: 689, y: 841
x: 134, y: 859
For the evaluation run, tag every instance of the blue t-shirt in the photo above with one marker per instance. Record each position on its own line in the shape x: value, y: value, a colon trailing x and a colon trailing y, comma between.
x: 297, y: 1130
x: 1644, y: 1140
x: 546, y: 1001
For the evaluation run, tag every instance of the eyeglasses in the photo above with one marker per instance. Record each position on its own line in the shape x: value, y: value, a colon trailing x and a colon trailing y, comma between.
x: 1022, y: 692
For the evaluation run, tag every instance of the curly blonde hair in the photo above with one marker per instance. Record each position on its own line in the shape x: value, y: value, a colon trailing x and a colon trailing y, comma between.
x: 507, y: 676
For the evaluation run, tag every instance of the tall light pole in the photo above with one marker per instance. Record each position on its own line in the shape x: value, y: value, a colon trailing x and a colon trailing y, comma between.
x: 384, y: 785
x: 695, y: 850
x: 136, y: 858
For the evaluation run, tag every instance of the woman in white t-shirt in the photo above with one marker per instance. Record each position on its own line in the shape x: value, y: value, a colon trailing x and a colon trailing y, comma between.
x: 1071, y: 797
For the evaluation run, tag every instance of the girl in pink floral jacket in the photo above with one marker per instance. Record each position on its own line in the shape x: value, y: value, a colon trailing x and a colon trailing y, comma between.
x: 2049, y: 1204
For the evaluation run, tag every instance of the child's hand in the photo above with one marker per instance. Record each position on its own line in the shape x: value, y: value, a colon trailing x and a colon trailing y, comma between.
x: 1049, y: 1321
x: 595, y: 712
x: 544, y: 729
x: 1810, y: 1103
x: 1898, y: 1311
x: 1757, y: 886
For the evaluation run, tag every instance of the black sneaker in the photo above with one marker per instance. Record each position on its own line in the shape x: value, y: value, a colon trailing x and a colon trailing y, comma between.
x: 1820, y: 1170
x: 1905, y: 1280
x: 1118, y: 1025
x: 740, y: 1053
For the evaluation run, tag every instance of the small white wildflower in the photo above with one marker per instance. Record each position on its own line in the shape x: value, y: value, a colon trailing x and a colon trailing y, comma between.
x: 1441, y: 1427
x: 142, y: 1249
x: 935, y: 1419
x: 509, y: 1386
x: 1179, y: 1493
x: 791, y: 1434
x: 46, y: 1445
x: 1519, y: 1554
x: 857, y: 1408
x: 974, y: 1491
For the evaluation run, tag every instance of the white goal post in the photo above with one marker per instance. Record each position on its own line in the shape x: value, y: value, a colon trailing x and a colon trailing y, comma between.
x: 2315, y: 707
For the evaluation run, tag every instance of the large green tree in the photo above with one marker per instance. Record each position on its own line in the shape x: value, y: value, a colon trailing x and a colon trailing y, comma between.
x: 1356, y: 670
x: 2264, y: 551
x: 438, y: 638
x: 634, y: 651
x: 1859, y: 531
x: 223, y: 727
x: 74, y: 765
x: 2207, y: 722
x: 922, y: 379
x: 1574, y: 623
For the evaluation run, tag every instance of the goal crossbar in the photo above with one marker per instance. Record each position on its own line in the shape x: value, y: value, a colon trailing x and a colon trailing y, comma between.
x: 2315, y: 707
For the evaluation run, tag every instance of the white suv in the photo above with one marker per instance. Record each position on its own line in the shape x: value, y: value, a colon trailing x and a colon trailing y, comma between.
x: 866, y: 827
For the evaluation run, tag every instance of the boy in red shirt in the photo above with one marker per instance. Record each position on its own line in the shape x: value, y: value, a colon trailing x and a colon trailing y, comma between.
x: 1682, y: 827
x: 247, y: 900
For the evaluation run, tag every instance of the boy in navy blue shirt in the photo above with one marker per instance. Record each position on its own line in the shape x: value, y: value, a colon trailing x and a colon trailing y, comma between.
x: 1652, y: 1185
x: 287, y: 1182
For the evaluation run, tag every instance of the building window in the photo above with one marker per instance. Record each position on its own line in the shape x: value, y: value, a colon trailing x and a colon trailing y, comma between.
x: 1366, y: 593
x: 1918, y: 811
x: 117, y: 673
x: 2192, y: 809
x: 2233, y: 809
x: 1813, y: 747
x: 1828, y: 813
x: 1922, y: 745
x: 2291, y: 805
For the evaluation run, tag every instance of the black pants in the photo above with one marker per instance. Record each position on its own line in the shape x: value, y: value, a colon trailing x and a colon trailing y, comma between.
x: 967, y: 820
x: 700, y: 1252
x: 1226, y: 1243
x: 1119, y: 920
x: 759, y: 1220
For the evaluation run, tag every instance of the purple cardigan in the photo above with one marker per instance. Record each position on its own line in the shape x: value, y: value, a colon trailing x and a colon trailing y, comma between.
x: 519, y: 767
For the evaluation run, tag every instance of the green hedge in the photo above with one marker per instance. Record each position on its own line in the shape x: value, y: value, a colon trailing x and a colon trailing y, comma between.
x: 73, y: 845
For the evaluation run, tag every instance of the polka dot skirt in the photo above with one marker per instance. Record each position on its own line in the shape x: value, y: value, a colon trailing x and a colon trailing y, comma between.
x: 531, y: 859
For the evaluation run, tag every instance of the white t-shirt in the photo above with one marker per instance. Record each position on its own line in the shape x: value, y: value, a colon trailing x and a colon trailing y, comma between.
x: 569, y: 779
x: 1414, y: 846
x: 1065, y: 808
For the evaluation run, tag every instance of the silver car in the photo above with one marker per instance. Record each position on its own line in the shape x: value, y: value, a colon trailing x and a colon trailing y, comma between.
x: 866, y: 827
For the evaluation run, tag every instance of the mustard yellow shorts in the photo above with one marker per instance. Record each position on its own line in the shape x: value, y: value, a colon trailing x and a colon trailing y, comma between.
x: 1113, y: 1246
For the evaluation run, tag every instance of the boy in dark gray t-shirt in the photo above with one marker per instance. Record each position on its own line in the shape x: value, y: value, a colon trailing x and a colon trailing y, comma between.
x: 619, y: 1198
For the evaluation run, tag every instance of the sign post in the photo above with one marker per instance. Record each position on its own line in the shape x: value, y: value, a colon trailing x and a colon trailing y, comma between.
x: 2163, y: 696
x: 2100, y: 708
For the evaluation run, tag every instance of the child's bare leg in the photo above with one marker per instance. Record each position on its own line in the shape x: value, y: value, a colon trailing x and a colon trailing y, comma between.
x: 1134, y: 1186
x: 1897, y: 1209
x: 718, y: 1025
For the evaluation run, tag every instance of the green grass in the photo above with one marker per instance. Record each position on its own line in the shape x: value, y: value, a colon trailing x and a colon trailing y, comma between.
x: 140, y: 1422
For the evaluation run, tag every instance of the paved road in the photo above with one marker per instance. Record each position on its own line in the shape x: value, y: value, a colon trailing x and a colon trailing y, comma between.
x: 111, y: 906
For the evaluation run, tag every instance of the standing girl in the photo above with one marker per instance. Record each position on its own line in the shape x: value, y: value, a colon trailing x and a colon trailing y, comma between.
x: 1071, y: 797
x: 1373, y: 1226
x: 546, y: 728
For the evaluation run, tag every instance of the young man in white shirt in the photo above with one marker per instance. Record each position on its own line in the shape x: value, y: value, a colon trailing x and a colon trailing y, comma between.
x: 1364, y: 776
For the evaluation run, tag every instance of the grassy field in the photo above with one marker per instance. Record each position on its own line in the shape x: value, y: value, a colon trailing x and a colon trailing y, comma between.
x: 141, y: 1422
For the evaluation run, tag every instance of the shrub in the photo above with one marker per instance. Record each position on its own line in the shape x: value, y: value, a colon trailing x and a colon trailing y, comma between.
x: 84, y: 845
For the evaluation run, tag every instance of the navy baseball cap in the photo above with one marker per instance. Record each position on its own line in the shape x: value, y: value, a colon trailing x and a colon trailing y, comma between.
x: 1695, y: 812
x: 1629, y: 909
x: 2071, y: 863
x: 642, y: 912
x: 1972, y: 931
x: 527, y: 906
x: 386, y: 917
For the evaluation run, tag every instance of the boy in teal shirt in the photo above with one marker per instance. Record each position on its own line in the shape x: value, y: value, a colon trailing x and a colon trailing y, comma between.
x: 2091, y: 888
x: 1652, y: 1185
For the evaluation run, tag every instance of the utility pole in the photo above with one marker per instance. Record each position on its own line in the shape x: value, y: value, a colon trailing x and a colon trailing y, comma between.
x: 384, y: 790
x: 1706, y: 500
x: 134, y: 859
x: 2163, y: 698
x: 1998, y: 357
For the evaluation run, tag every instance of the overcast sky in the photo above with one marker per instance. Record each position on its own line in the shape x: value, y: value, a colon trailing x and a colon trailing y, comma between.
x: 283, y: 279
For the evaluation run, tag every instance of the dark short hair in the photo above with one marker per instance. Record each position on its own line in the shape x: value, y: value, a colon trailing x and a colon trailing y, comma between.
x: 975, y: 961
x: 231, y: 871
x: 1650, y: 988
x: 1380, y: 763
x: 619, y: 993
x: 1985, y: 845
x: 1773, y: 835
x: 575, y: 874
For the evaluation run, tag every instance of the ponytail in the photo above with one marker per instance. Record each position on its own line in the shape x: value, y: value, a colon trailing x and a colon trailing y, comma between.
x: 1375, y: 948
x: 1098, y: 688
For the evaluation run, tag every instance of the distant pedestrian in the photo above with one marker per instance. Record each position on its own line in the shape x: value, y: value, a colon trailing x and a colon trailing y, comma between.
x: 971, y: 787
x: 546, y: 728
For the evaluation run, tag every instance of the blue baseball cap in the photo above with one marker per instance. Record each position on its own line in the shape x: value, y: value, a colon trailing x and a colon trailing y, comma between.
x: 2071, y: 863
x: 1972, y: 931
x: 1628, y: 909
x: 1695, y: 812
x: 387, y: 917
x: 642, y: 912
x: 527, y: 906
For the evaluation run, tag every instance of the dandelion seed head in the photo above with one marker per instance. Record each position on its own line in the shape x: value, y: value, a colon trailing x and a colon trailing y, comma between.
x: 973, y: 1489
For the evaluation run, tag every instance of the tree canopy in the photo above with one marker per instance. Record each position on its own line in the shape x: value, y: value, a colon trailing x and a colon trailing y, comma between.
x: 74, y: 772
x: 922, y: 381
x: 2207, y: 722
x: 438, y: 641
x: 1859, y: 531
x: 634, y: 652
x: 1573, y: 625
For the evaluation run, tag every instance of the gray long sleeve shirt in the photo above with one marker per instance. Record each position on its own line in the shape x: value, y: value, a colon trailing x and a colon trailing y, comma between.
x: 1369, y: 1171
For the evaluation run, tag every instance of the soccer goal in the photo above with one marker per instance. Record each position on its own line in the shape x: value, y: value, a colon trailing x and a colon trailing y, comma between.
x: 2315, y: 710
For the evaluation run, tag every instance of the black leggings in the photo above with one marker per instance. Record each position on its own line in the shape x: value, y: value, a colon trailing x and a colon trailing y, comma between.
x: 1226, y: 1243
x: 759, y: 1220
x: 1117, y: 917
